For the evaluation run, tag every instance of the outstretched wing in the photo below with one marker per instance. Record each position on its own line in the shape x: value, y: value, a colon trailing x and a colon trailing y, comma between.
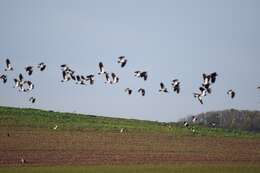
x: 123, y: 63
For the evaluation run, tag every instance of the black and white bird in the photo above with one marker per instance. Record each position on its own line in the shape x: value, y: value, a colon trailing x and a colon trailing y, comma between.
x: 4, y: 78
x: 203, y: 91
x: 231, y: 93
x: 199, y: 97
x: 141, y: 74
x: 206, y: 79
x: 32, y: 99
x: 19, y: 82
x: 122, y: 60
x: 207, y: 87
x: 137, y: 73
x: 115, y: 78
x: 42, y: 66
x: 176, y: 85
x: 90, y: 78
x: 186, y: 124
x: 129, y: 91
x: 78, y: 79
x: 107, y: 77
x: 258, y: 87
x: 101, y: 68
x: 67, y: 73
x: 142, y: 91
x: 30, y: 86
x: 8, y: 65
x: 20, y: 77
x: 213, y: 77
x: 66, y: 76
x: 209, y: 79
x: 194, y: 119
x: 29, y: 70
x: 163, y: 88
x: 64, y: 67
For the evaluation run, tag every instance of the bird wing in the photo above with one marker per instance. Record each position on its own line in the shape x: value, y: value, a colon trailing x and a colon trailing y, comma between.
x: 201, y: 89
x: 64, y: 74
x: 20, y: 77
x: 101, y: 66
x: 123, y: 63
x: 200, y: 99
x: 43, y: 67
x: 233, y: 94
x: 145, y: 76
x: 8, y: 63
x: 178, y: 90
x: 162, y: 85
x: 113, y: 75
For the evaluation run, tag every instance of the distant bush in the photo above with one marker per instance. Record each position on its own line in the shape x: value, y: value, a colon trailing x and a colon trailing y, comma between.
x: 230, y: 119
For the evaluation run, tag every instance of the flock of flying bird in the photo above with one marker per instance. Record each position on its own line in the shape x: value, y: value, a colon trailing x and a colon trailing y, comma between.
x: 68, y: 74
x: 20, y: 83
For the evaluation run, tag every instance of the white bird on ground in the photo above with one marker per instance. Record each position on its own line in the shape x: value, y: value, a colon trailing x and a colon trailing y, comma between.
x: 22, y: 160
x: 55, y: 127
x: 193, y: 130
x: 122, y: 130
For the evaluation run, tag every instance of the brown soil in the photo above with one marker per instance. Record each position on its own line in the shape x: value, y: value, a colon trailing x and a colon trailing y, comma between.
x: 44, y: 147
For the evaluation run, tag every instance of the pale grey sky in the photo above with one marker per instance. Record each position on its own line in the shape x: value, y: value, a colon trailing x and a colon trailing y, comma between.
x: 170, y: 39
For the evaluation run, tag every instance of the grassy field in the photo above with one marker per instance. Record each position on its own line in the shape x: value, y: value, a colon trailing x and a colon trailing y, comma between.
x: 187, y: 168
x: 33, y: 118
x: 86, y: 143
